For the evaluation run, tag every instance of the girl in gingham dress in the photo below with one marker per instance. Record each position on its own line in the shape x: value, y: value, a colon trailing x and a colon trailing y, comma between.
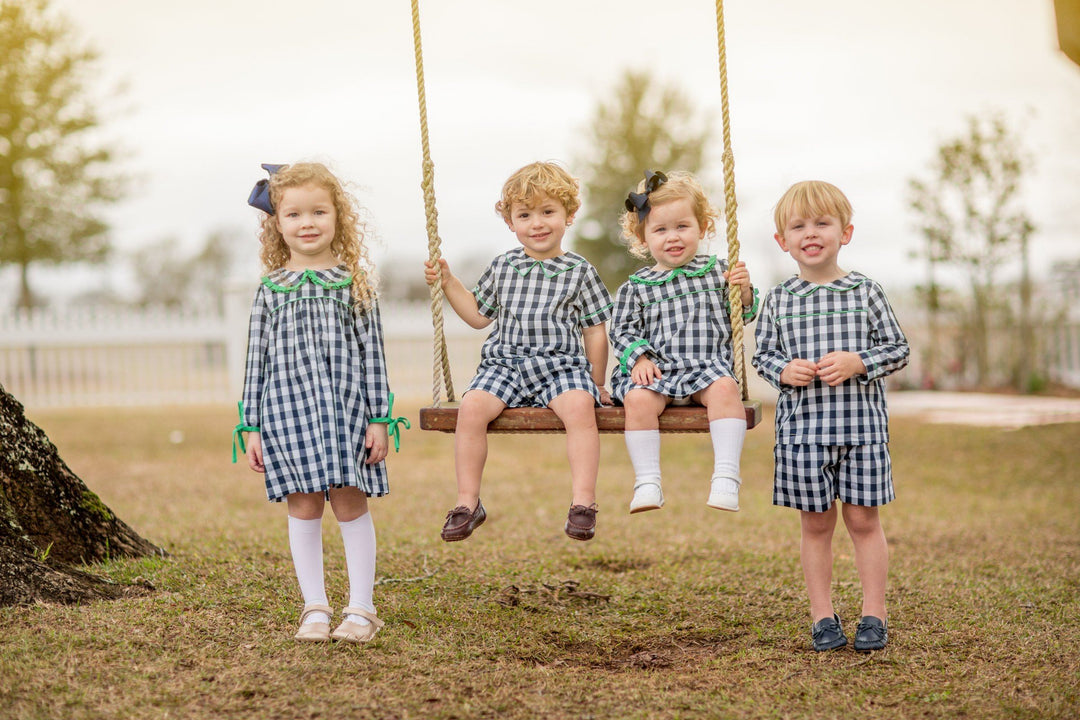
x: 671, y: 334
x: 826, y: 339
x: 548, y: 347
x: 317, y: 404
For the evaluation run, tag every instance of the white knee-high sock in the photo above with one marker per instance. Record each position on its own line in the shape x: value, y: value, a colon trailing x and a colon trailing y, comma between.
x: 359, y: 538
x: 644, y: 449
x: 305, y: 541
x: 727, y: 439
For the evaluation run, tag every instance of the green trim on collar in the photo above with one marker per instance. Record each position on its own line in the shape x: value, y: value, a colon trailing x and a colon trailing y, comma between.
x: 536, y: 262
x: 308, y: 276
x: 814, y: 287
x: 709, y: 265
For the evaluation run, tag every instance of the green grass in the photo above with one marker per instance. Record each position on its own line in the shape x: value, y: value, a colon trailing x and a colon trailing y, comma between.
x: 681, y: 613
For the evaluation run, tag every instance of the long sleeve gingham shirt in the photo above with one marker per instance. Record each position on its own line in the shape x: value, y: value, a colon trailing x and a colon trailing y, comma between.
x: 804, y: 320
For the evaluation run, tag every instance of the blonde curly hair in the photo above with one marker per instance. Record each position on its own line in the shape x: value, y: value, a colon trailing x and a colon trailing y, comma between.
x: 350, y: 232
x: 535, y: 179
x: 680, y: 185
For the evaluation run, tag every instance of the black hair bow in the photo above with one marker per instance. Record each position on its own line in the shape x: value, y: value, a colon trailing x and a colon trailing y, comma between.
x: 260, y: 194
x: 640, y: 201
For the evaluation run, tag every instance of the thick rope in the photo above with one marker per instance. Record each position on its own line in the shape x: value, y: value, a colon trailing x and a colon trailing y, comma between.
x: 734, y: 293
x: 440, y: 374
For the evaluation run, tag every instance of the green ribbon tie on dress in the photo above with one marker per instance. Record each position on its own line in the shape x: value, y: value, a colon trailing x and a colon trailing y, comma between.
x: 240, y: 428
x: 392, y: 423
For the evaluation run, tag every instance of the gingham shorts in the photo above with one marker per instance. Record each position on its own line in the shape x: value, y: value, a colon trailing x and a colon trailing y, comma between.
x: 511, y: 386
x: 811, y: 477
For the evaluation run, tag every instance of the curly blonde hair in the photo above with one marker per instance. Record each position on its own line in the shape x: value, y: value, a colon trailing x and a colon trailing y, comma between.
x: 535, y: 179
x: 350, y: 232
x: 680, y: 185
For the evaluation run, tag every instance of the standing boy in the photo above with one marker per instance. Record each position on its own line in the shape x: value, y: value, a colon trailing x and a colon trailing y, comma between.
x: 826, y: 338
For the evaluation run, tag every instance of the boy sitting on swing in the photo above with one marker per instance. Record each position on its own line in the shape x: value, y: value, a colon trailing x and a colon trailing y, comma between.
x: 548, y: 347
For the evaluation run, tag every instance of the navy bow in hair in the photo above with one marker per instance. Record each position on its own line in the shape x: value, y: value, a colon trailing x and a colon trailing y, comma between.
x: 640, y: 201
x: 260, y: 194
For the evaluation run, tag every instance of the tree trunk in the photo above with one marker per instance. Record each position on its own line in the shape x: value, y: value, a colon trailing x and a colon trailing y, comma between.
x: 50, y: 521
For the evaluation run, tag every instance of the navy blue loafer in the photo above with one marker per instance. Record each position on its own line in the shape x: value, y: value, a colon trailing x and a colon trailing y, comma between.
x: 828, y: 634
x: 872, y: 634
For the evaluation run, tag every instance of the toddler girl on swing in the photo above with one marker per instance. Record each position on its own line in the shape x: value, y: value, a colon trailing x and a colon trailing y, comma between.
x: 317, y: 404
x: 671, y: 334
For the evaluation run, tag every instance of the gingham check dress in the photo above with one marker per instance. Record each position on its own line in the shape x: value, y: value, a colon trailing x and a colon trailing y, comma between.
x: 316, y: 374
x: 680, y: 318
x: 804, y: 320
x: 535, y: 350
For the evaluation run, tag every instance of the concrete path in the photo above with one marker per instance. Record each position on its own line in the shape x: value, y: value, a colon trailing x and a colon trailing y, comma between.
x: 1010, y: 411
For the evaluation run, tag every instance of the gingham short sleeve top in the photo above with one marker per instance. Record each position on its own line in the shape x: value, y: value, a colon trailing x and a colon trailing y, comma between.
x: 540, y: 306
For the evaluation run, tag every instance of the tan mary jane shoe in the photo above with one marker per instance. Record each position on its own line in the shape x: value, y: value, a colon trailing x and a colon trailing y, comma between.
x: 316, y: 631
x: 351, y: 632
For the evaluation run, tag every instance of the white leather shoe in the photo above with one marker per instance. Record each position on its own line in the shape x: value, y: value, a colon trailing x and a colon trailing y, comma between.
x: 724, y: 494
x: 647, y: 496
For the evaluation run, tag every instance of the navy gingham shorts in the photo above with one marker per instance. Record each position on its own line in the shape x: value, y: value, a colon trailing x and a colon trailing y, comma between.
x: 812, y: 477
x: 512, y: 388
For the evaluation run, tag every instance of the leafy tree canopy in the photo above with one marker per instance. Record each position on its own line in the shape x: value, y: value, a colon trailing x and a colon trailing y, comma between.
x: 54, y: 173
x: 643, y: 125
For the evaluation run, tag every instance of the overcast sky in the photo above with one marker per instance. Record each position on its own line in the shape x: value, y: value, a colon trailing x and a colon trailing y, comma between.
x: 856, y: 92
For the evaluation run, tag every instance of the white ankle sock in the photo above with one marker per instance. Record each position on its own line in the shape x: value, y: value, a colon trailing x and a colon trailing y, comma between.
x: 727, y: 440
x: 305, y: 541
x: 644, y: 449
x: 359, y: 538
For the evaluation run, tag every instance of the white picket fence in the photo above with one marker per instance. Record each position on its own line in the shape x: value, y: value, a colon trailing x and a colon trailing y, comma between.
x: 96, y: 356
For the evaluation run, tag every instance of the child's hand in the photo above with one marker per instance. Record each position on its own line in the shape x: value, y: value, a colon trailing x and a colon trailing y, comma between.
x: 799, y: 373
x: 377, y: 442
x: 254, y: 452
x: 740, y: 277
x: 644, y: 371
x: 840, y: 366
x: 605, y: 397
x: 432, y: 274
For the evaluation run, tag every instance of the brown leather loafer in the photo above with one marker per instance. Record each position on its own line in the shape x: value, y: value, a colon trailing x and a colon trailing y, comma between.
x: 461, y: 521
x: 581, y: 522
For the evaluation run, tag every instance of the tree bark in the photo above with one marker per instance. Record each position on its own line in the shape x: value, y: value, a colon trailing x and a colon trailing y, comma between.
x: 50, y: 521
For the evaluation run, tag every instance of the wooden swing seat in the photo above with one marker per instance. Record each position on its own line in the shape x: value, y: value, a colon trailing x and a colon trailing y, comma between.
x: 674, y: 419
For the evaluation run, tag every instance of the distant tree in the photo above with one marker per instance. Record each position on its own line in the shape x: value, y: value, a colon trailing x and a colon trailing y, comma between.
x: 166, y: 277
x: 643, y: 125
x: 54, y: 173
x: 971, y: 215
